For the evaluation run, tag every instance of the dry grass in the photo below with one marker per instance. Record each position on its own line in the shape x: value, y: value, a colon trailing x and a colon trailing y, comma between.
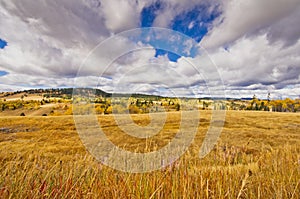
x: 257, y: 156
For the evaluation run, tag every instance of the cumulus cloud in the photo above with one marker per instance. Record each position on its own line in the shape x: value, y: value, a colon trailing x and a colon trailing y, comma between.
x: 253, y: 47
x: 64, y: 22
x: 256, y: 47
x: 52, y: 38
x: 120, y: 15
x: 247, y: 18
x: 255, y: 64
x: 286, y: 29
x: 49, y: 38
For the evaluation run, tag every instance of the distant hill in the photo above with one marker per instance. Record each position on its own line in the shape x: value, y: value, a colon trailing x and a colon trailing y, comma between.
x: 57, y: 92
x: 68, y: 93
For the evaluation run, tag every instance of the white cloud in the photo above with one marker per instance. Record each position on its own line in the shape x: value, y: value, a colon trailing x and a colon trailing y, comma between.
x: 254, y: 61
x: 249, y: 17
x: 120, y: 15
x: 48, y: 40
x: 191, y: 25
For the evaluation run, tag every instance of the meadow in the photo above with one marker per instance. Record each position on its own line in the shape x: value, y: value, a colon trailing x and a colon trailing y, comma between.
x: 257, y: 156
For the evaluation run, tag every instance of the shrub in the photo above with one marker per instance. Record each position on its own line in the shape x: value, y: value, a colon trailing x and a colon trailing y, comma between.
x: 22, y: 114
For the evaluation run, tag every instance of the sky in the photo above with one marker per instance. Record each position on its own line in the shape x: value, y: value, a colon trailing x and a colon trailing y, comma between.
x: 243, y: 47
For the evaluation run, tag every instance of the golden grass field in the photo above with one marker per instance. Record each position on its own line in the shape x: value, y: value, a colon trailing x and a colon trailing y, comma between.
x: 257, y: 156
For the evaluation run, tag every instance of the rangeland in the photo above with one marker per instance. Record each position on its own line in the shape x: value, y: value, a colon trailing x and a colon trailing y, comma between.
x: 257, y: 156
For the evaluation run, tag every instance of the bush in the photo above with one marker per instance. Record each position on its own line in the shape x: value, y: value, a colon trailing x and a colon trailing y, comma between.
x: 44, y: 114
x: 22, y: 114
x: 134, y: 109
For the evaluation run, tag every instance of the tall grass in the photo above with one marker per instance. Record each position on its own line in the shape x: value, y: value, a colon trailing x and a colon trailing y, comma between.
x: 43, y: 157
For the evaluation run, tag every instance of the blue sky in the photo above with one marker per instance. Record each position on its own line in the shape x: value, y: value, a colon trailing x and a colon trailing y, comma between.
x: 256, y: 49
x: 149, y: 13
x: 3, y: 43
x: 2, y: 73
x: 193, y: 23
